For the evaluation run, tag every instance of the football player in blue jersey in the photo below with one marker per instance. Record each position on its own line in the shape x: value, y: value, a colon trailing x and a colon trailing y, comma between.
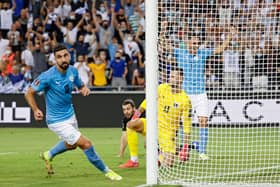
x: 192, y: 57
x: 57, y: 84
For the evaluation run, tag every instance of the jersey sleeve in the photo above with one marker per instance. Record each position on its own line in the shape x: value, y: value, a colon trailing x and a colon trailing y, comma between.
x: 187, y: 113
x: 208, y: 52
x: 40, y: 83
x: 176, y: 54
x: 143, y: 104
x: 77, y: 80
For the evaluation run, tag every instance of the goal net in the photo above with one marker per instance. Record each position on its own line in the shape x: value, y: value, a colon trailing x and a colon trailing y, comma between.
x: 228, y: 51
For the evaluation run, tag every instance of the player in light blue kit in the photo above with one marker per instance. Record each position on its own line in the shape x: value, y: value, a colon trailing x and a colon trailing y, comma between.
x: 57, y: 84
x: 192, y: 59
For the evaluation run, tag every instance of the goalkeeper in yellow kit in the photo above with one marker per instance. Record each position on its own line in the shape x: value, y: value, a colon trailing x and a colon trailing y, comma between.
x: 173, y: 106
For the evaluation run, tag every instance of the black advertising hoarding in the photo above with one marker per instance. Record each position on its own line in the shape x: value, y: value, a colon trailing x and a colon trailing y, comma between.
x: 103, y: 109
x: 96, y: 110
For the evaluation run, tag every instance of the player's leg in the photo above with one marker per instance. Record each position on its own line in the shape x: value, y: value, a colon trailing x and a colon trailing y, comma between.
x: 133, y: 127
x: 123, y: 143
x: 87, y: 147
x: 202, y: 114
x: 138, y: 125
x: 64, y: 130
x: 167, y: 146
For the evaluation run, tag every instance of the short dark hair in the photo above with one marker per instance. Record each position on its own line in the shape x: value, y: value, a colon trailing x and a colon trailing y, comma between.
x: 193, y: 35
x: 128, y: 102
x: 59, y: 47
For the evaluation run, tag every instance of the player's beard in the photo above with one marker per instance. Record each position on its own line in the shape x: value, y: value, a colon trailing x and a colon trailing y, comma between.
x: 64, y: 65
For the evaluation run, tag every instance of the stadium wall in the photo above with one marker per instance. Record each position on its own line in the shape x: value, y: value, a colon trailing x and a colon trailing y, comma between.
x: 103, y: 109
x: 97, y: 110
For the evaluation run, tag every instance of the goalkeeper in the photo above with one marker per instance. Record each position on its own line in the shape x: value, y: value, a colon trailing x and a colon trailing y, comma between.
x: 173, y: 106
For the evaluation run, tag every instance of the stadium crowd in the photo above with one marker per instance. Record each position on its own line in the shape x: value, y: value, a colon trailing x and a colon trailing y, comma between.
x: 106, y: 39
x: 252, y: 58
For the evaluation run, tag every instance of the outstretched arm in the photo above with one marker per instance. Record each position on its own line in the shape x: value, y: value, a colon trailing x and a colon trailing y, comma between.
x: 14, y: 5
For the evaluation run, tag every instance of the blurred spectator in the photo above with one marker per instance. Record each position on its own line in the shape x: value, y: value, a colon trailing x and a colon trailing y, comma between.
x: 81, y: 47
x: 66, y: 8
x: 36, y: 7
x: 70, y: 33
x: 26, y: 71
x: 118, y: 71
x: 249, y: 64
x: 105, y: 28
x: 128, y: 8
x: 91, y: 39
x: 15, y: 76
x: 113, y: 47
x: 231, y: 68
x: 15, y: 41
x: 103, y: 10
x: 135, y: 64
x: 27, y: 57
x: 83, y: 69
x: 23, y: 20
x: 130, y: 45
x: 40, y: 62
x: 6, y: 16
x: 9, y: 58
x: 3, y: 44
x: 138, y: 76
x: 225, y: 12
x: 98, y: 69
x: 121, y: 16
x: 119, y: 25
x: 136, y: 19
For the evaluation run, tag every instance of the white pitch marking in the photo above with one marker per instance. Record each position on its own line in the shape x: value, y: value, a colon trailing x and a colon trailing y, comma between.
x: 8, y: 153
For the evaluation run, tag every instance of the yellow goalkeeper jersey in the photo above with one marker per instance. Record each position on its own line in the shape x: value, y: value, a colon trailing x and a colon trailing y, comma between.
x: 172, y: 108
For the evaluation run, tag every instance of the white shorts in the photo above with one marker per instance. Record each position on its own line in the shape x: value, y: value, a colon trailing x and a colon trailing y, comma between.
x: 67, y: 130
x: 200, y: 104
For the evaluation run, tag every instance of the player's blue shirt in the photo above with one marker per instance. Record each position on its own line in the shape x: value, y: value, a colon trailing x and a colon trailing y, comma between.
x: 58, y: 92
x: 193, y: 67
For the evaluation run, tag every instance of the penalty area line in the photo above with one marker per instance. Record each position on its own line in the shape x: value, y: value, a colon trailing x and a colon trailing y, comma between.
x: 8, y: 153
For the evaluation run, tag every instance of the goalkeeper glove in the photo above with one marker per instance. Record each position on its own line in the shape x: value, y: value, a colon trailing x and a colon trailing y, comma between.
x: 184, y: 153
x: 136, y: 115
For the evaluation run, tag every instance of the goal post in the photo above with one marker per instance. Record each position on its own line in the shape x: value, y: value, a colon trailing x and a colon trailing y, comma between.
x: 228, y: 51
x: 151, y: 68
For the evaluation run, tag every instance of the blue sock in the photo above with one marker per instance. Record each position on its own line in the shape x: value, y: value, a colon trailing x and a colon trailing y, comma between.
x: 95, y: 160
x: 203, y: 135
x: 57, y: 149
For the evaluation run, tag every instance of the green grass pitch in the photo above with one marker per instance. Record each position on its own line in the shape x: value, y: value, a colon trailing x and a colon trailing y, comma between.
x: 20, y: 164
x: 233, y: 159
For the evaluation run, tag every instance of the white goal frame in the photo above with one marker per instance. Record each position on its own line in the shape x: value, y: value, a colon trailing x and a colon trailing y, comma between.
x: 151, y: 66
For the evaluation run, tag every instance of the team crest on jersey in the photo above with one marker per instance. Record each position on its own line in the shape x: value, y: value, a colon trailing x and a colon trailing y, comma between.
x: 37, y: 82
x: 71, y: 78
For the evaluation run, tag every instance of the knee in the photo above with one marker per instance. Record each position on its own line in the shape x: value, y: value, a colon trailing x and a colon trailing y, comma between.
x: 203, y: 121
x: 130, y: 125
x: 84, y: 143
x: 87, y: 144
x: 71, y: 147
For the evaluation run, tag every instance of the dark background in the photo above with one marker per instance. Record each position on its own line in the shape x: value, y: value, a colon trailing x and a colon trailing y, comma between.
x: 96, y: 110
